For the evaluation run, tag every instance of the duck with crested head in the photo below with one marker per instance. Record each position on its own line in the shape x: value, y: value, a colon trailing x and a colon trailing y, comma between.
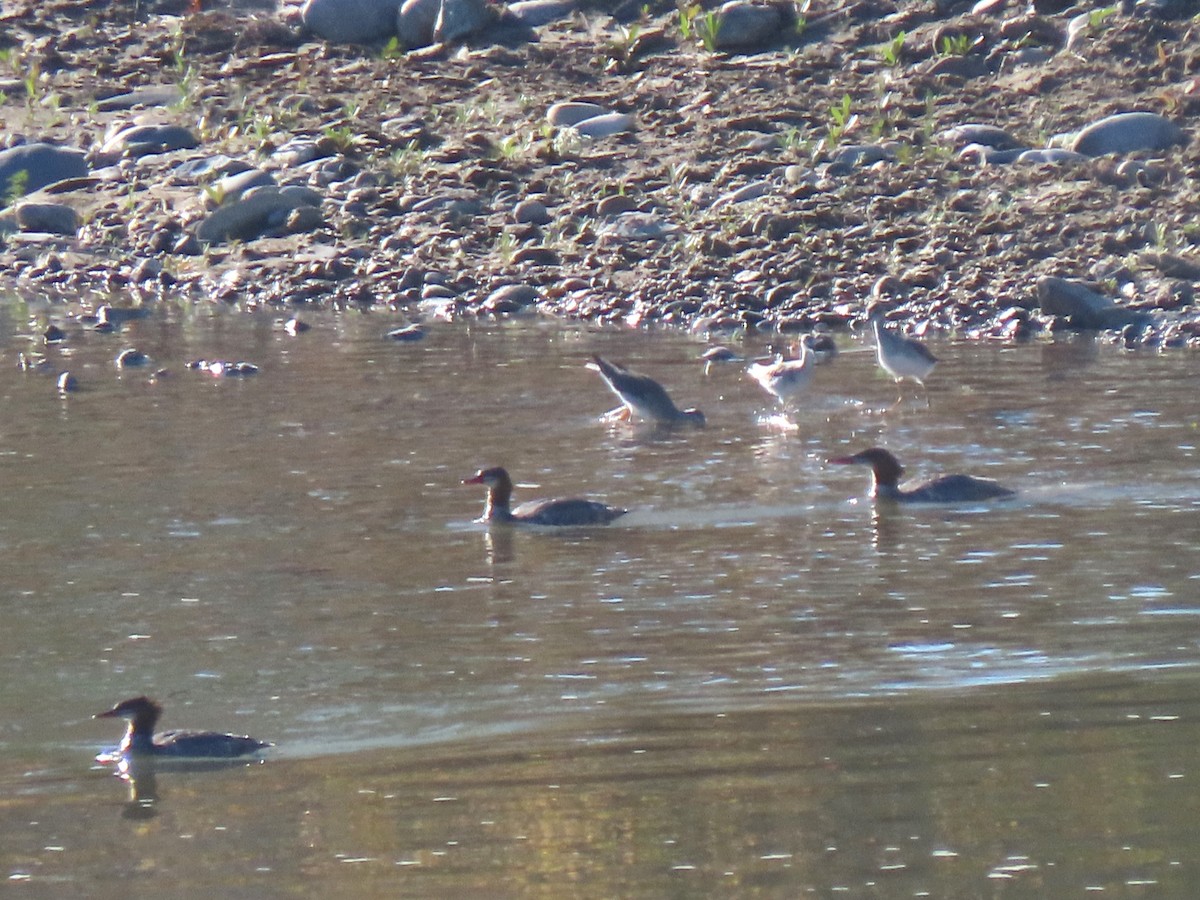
x: 571, y: 511
x: 885, y: 482
x: 142, y: 714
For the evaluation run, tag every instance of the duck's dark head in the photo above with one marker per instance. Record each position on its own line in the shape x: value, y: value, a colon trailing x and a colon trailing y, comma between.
x: 886, y: 467
x: 497, y: 475
x: 141, y: 711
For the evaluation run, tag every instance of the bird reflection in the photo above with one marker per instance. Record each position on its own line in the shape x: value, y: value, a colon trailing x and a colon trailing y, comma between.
x: 498, y: 545
x: 886, y: 530
x: 141, y: 777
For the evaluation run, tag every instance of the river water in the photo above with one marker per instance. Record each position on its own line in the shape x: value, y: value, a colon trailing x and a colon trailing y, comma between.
x: 755, y: 684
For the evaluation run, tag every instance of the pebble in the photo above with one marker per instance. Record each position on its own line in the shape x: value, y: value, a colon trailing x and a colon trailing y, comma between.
x: 144, y: 140
x: 53, y: 334
x: 605, y: 125
x: 572, y: 112
x: 415, y: 21
x: 531, y: 212
x: 510, y: 298
x: 458, y: 19
x: 130, y: 357
x: 1051, y: 155
x: 67, y: 383
x: 408, y: 334
x: 295, y: 326
x: 856, y: 155
x: 746, y: 25
x: 976, y: 133
x: 536, y: 13
x: 752, y: 191
x: 352, y: 21
x: 231, y: 187
x: 1128, y: 133
x: 47, y: 218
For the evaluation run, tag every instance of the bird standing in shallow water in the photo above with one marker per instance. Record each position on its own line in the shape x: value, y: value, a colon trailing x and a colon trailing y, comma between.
x: 569, y: 511
x: 642, y: 396
x: 886, y: 471
x: 140, y: 740
x: 785, y: 379
x: 899, y: 356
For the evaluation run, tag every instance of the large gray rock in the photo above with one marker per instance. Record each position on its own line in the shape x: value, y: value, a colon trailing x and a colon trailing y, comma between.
x: 1082, y: 307
x: 47, y: 218
x: 351, y: 21
x: 1128, y: 133
x: 264, y: 210
x: 42, y: 164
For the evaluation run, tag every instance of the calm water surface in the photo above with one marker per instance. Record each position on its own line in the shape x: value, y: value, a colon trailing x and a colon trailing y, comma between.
x: 755, y: 684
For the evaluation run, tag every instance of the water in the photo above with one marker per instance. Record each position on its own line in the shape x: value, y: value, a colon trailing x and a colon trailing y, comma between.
x: 754, y: 684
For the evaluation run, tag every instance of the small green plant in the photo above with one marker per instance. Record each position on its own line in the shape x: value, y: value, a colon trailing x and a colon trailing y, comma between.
x: 392, y: 50
x: 708, y: 29
x: 506, y: 247
x: 508, y: 147
x: 16, y: 187
x: 342, y: 137
x: 800, y: 27
x: 792, y: 138
x: 893, y: 50
x: 624, y: 45
x: 954, y: 45
x: 407, y: 160
x: 1097, y: 16
x: 840, y: 120
x: 687, y: 19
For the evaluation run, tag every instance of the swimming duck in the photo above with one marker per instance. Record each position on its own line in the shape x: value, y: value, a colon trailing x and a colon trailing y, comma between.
x: 140, y: 740
x: 886, y: 471
x: 569, y: 511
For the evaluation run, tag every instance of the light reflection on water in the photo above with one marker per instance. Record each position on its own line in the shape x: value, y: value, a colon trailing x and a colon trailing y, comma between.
x: 293, y: 555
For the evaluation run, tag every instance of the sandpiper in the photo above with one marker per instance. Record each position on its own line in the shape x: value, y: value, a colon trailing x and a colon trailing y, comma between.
x: 899, y: 356
x: 642, y: 396
x: 785, y: 379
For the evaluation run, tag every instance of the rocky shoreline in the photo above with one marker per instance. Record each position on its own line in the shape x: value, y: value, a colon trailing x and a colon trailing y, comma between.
x: 971, y: 169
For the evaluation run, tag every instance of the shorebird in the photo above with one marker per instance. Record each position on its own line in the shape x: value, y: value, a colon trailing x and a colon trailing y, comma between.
x: 899, y: 356
x: 140, y: 740
x: 718, y: 354
x: 642, y: 396
x: 885, y: 477
x: 571, y: 511
x: 785, y: 379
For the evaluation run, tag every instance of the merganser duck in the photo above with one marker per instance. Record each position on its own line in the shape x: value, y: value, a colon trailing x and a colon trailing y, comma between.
x: 642, y: 396
x: 140, y: 739
x: 886, y: 471
x: 571, y: 511
x: 785, y: 379
x: 899, y: 356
